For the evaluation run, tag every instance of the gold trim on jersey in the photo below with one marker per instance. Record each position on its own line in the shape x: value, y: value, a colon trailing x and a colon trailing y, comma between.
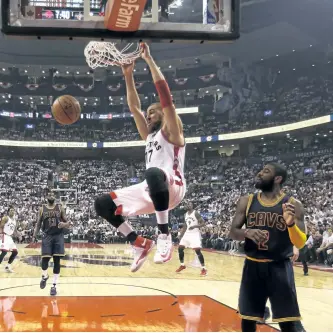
x: 249, y: 203
x: 282, y: 320
x: 272, y: 204
x: 258, y: 260
x: 59, y: 255
x: 46, y: 256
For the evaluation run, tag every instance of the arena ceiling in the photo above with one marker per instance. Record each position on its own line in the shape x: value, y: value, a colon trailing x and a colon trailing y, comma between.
x: 268, y: 27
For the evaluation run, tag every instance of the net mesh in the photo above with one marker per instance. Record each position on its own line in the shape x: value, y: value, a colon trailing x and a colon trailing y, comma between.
x: 104, y: 54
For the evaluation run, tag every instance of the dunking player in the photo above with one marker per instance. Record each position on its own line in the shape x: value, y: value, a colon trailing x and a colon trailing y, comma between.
x: 52, y: 220
x: 7, y: 229
x: 164, y: 185
x: 274, y: 223
x: 191, y: 237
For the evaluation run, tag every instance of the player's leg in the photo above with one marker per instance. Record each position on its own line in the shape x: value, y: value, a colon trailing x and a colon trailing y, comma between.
x: 283, y: 296
x: 10, y: 246
x: 58, y: 251
x: 158, y: 186
x: 201, y: 260
x: 2, y: 255
x: 11, y: 259
x: 46, y: 256
x: 56, y: 273
x: 181, y: 255
x: 130, y: 201
x: 252, y: 295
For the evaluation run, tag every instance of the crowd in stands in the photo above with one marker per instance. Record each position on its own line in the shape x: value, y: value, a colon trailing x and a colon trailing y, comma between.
x: 24, y: 184
x: 309, y: 98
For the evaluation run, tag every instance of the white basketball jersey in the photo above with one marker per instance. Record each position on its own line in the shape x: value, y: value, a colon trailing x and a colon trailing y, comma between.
x: 160, y: 153
x: 10, y: 226
x: 191, y: 221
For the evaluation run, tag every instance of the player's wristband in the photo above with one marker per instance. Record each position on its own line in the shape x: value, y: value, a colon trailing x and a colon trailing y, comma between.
x: 291, y: 225
x: 164, y: 93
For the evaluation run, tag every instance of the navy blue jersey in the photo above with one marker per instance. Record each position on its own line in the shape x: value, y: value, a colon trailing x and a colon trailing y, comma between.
x: 51, y: 217
x: 268, y: 217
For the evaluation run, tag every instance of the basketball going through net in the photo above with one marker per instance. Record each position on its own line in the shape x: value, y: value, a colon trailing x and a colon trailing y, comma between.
x: 104, y: 54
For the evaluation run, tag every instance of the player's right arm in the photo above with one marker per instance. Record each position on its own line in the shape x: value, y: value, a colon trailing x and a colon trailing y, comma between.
x: 237, y: 232
x: 39, y: 222
x: 182, y: 232
x: 133, y: 101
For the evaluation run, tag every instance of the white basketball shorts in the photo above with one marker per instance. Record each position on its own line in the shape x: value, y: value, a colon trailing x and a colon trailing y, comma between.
x: 135, y: 200
x: 191, y: 240
x: 7, y: 243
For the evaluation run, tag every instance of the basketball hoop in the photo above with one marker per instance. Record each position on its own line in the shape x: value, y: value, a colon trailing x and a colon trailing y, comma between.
x: 104, y: 54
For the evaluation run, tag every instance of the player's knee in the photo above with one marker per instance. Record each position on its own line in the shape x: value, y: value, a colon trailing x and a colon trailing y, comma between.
x: 45, y: 263
x: 56, y: 264
x: 156, y: 180
x: 105, y: 206
x: 14, y: 253
x: 3, y: 254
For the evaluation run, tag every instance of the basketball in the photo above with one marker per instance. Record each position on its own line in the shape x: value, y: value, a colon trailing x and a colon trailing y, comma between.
x: 66, y: 110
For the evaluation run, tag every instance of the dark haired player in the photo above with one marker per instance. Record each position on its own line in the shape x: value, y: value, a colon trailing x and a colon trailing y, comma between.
x: 52, y: 220
x: 164, y: 186
x: 274, y: 223
x: 190, y: 237
x: 8, y: 227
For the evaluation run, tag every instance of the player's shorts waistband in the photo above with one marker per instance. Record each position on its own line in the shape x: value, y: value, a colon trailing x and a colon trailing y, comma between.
x: 258, y: 260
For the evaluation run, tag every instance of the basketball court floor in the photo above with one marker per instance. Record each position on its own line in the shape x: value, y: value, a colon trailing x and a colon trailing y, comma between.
x: 97, y: 292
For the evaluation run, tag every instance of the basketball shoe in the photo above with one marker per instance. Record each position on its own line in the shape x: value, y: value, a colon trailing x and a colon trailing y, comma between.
x: 164, y: 249
x: 141, y: 247
x: 8, y: 269
x: 203, y: 272
x: 180, y: 268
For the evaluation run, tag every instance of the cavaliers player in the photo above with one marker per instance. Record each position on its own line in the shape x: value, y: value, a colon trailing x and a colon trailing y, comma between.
x: 52, y: 220
x: 274, y: 223
x: 190, y: 237
x: 7, y: 229
x: 164, y: 186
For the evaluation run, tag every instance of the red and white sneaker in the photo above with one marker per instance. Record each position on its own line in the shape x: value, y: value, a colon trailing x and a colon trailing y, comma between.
x: 164, y: 250
x: 181, y: 268
x: 142, y: 247
x: 203, y: 272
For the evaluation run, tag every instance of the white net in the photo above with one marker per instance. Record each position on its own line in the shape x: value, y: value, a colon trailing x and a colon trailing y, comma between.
x: 104, y: 54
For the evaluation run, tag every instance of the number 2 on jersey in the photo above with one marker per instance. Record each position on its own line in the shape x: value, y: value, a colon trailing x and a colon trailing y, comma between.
x: 148, y: 155
x: 263, y: 245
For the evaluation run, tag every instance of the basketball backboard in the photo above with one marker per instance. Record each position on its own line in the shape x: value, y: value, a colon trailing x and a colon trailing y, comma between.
x: 162, y: 20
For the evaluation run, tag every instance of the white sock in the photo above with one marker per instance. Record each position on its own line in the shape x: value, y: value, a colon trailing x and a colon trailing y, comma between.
x: 182, y: 264
x: 125, y: 228
x: 44, y: 274
x: 8, y: 266
x: 55, y: 278
x: 162, y: 217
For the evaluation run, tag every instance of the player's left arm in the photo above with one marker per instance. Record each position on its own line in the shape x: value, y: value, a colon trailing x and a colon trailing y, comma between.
x: 64, y: 223
x: 3, y: 222
x: 173, y: 123
x: 200, y: 220
x: 293, y: 214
